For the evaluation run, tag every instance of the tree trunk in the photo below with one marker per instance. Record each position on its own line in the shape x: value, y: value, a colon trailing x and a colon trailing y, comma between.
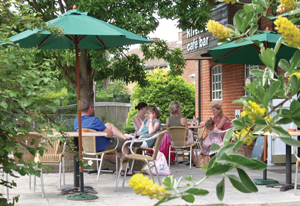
x: 86, y: 77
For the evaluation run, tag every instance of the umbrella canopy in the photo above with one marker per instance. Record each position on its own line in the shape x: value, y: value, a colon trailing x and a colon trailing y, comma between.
x: 93, y: 34
x: 80, y: 31
x: 247, y: 52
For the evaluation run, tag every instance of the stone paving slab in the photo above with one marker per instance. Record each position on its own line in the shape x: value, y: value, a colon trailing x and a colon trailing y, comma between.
x: 107, y: 195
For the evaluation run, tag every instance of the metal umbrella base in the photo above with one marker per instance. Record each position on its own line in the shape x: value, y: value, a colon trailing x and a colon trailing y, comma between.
x: 82, y: 196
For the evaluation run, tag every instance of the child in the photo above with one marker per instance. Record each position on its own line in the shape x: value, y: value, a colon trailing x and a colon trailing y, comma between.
x: 211, y: 137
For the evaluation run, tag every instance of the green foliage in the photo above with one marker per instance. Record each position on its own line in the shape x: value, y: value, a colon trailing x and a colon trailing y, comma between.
x: 128, y: 129
x: 161, y: 91
x: 22, y: 86
x: 106, y: 95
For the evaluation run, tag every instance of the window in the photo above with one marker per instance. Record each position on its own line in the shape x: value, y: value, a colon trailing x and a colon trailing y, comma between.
x: 248, y: 68
x: 216, y: 82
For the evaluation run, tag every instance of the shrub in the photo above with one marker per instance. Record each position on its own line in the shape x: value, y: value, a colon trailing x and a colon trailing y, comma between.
x: 162, y: 89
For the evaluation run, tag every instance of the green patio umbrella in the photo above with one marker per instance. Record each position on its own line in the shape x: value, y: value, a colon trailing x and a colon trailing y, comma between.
x: 247, y: 52
x: 80, y: 31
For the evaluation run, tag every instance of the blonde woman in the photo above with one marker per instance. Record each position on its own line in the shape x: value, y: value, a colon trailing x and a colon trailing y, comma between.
x: 176, y: 119
x: 222, y: 122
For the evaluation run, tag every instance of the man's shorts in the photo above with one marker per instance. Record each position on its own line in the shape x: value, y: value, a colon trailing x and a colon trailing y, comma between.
x: 113, y: 143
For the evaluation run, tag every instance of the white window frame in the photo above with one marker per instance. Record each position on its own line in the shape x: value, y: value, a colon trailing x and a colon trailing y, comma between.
x: 216, y: 83
x: 248, y: 68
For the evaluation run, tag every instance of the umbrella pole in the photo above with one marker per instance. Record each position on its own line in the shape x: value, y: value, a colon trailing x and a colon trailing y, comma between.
x: 82, y: 195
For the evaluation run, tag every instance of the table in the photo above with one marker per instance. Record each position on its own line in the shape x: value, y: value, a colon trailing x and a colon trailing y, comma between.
x: 288, y: 164
x: 76, y: 164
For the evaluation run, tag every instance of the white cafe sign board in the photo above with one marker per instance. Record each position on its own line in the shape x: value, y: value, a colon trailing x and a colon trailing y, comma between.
x: 198, y: 42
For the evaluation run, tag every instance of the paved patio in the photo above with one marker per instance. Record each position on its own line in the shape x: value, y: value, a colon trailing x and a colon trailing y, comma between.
x: 126, y: 196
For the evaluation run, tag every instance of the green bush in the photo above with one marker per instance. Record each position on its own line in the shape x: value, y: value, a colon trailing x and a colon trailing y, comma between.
x: 127, y: 129
x: 161, y: 91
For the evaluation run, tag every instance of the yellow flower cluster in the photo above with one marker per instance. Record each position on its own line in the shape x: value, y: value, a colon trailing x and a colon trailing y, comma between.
x: 297, y: 74
x: 229, y: 1
x: 288, y: 30
x: 142, y: 185
x: 286, y: 5
x: 253, y: 111
x: 248, y: 140
x: 218, y: 29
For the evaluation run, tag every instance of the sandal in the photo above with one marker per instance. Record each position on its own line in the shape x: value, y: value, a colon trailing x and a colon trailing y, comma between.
x: 123, y: 173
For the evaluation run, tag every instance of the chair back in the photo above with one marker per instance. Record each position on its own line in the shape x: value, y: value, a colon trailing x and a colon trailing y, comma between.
x: 178, y: 135
x: 89, y: 143
x: 200, y: 132
x: 26, y: 140
x: 158, y: 143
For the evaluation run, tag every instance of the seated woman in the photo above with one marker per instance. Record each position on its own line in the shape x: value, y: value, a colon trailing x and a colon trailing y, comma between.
x: 150, y: 126
x: 176, y: 119
x: 140, y: 116
x: 222, y: 122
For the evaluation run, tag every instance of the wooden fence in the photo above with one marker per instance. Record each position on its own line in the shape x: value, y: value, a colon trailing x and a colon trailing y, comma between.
x: 114, y: 112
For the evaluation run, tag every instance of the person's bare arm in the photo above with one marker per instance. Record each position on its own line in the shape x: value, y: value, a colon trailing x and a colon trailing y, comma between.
x: 183, y: 121
x: 140, y: 130
x: 153, y: 128
x: 167, y: 122
x: 222, y: 122
x: 137, y: 122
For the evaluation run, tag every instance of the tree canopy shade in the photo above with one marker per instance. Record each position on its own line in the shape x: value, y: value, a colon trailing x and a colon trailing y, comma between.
x: 140, y: 17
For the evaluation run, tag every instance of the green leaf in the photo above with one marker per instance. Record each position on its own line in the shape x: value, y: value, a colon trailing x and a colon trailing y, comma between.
x: 238, y: 125
x: 246, y: 21
x: 237, y: 21
x: 242, y: 161
x: 263, y: 3
x: 196, y: 191
x: 257, y: 72
x: 284, y: 64
x: 278, y: 44
x: 217, y: 170
x: 258, y: 129
x: 247, y: 182
x: 237, y: 184
x: 273, y: 89
x: 284, y: 121
x: 220, y: 188
x: 228, y: 136
x: 188, y: 198
x: 211, y: 162
x: 290, y: 141
x: 214, y: 148
x: 253, y: 29
x: 294, y: 60
x: 280, y: 131
x: 296, y: 121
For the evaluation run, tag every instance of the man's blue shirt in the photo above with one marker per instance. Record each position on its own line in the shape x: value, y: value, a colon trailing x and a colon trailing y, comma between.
x: 90, y: 122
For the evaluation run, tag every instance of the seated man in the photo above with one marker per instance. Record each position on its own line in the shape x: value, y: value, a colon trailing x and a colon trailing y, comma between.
x: 102, y: 143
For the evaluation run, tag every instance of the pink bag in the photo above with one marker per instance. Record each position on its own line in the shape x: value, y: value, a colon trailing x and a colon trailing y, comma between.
x: 165, y: 145
x: 161, y: 165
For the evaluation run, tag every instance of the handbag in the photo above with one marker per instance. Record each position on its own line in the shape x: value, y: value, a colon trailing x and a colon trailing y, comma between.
x: 161, y: 165
x: 202, y: 160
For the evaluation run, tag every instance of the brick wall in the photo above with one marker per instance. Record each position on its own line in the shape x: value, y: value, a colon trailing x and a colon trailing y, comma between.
x: 233, y: 82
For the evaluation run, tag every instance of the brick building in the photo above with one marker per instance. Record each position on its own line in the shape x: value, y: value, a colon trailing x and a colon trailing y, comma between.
x: 216, y: 83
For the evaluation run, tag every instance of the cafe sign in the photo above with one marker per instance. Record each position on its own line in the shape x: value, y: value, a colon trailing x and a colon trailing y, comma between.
x: 197, y: 42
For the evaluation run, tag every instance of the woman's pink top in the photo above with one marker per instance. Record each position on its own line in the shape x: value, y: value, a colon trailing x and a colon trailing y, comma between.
x: 225, y: 126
